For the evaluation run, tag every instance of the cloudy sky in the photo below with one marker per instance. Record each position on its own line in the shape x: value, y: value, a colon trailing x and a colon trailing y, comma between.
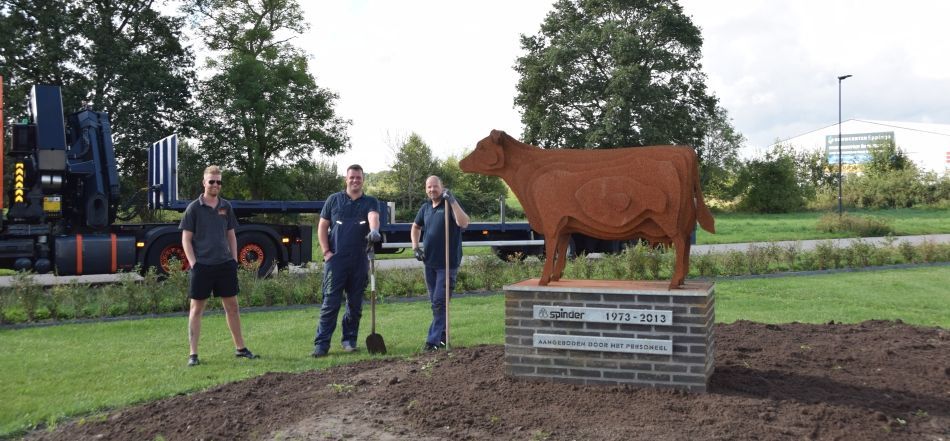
x: 443, y: 69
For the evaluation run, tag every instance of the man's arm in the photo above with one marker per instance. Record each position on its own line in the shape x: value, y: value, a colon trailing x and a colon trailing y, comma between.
x: 186, y: 237
x: 415, y: 233
x: 373, y: 218
x: 461, y: 218
x: 323, y: 235
x: 232, y: 242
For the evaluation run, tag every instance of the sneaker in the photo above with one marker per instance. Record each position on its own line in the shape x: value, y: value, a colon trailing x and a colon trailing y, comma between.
x: 193, y: 360
x: 349, y: 347
x: 430, y: 347
x: 317, y: 353
x: 245, y: 353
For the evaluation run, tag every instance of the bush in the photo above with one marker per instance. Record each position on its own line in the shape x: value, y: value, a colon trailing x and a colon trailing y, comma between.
x: 28, y: 294
x: 637, y: 260
x: 519, y: 269
x: 862, y: 226
x: 859, y: 254
x: 705, y: 265
x: 891, y: 189
x: 486, y: 269
x: 401, y: 283
x: 734, y: 263
x: 771, y: 184
x: 826, y: 255
x: 790, y: 255
x: 907, y: 251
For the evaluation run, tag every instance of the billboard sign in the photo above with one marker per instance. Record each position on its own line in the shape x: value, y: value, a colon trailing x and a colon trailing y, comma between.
x: 854, y: 146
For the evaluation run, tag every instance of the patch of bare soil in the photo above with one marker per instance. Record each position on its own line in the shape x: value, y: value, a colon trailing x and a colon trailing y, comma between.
x: 868, y: 381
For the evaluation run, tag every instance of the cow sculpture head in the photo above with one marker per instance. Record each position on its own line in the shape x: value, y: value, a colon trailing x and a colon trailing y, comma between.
x: 488, y: 157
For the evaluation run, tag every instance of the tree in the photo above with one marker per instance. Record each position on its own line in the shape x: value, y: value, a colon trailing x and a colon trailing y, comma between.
x: 261, y: 106
x: 609, y: 73
x: 718, y: 155
x: 886, y: 156
x: 412, y: 165
x: 122, y: 57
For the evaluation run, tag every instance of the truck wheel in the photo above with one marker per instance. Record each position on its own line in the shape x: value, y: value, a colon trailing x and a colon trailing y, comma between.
x: 165, y: 253
x: 257, y: 252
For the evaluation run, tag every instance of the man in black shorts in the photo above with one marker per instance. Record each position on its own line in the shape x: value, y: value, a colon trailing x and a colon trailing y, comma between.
x: 207, y: 235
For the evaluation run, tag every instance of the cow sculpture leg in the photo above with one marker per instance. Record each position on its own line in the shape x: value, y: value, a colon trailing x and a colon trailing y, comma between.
x: 563, y: 241
x: 681, y: 268
x: 550, y: 251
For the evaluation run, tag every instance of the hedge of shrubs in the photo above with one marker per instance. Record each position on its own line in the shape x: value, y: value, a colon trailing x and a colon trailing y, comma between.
x: 27, y: 301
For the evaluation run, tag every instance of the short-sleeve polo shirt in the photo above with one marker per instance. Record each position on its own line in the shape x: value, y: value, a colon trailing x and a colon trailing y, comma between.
x: 210, y: 226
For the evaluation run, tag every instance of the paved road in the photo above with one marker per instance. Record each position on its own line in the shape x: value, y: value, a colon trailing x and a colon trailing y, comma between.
x: 804, y: 245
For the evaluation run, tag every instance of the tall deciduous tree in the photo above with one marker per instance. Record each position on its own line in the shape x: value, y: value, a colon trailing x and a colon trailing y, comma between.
x: 412, y: 164
x: 718, y: 153
x: 121, y: 56
x: 261, y: 106
x: 611, y: 73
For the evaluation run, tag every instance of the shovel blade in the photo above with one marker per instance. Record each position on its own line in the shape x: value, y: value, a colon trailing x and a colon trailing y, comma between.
x: 375, y: 344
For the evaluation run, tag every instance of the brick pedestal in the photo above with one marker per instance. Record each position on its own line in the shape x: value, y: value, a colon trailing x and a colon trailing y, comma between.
x: 611, y: 332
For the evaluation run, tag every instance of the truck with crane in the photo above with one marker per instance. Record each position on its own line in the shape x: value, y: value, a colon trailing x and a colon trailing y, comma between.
x: 63, y: 204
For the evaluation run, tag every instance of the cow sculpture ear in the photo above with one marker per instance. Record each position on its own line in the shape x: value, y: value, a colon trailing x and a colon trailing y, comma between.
x: 495, y: 158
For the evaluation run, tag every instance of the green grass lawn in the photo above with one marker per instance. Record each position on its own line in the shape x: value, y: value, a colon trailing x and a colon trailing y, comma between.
x: 745, y: 227
x: 57, y: 372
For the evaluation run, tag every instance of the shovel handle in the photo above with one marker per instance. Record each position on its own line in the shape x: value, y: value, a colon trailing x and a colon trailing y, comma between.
x: 448, y: 272
x: 372, y: 287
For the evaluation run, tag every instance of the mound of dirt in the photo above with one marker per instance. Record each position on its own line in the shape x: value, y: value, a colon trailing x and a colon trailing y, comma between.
x: 867, y: 381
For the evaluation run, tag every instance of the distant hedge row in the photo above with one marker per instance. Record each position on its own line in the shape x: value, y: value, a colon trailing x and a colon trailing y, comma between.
x: 27, y: 301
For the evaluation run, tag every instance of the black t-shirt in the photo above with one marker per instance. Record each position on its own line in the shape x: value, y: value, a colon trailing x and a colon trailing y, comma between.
x: 432, y: 221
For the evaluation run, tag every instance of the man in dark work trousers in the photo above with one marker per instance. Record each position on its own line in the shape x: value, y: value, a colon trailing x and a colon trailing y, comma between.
x: 349, y: 222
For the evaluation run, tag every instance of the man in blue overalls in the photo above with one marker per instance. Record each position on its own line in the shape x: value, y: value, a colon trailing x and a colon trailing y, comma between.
x: 349, y: 221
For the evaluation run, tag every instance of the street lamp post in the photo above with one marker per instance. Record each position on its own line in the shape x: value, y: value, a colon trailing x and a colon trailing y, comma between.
x: 840, y: 79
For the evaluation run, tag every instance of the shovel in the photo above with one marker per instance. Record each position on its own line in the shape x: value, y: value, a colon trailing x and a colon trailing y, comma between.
x: 374, y: 342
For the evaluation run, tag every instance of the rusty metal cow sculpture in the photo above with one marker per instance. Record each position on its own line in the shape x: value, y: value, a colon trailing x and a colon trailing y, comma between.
x: 616, y: 194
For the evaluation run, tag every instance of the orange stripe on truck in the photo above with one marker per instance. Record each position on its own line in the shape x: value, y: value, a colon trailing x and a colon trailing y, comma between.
x: 114, y: 257
x: 79, y: 254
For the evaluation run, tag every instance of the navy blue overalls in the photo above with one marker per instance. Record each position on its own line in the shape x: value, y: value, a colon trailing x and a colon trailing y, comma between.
x: 346, y: 271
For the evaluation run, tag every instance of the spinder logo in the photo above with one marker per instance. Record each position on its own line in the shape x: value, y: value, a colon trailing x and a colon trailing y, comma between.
x: 562, y: 314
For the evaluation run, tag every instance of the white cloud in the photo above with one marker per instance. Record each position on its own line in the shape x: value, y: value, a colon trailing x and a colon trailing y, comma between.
x: 440, y: 69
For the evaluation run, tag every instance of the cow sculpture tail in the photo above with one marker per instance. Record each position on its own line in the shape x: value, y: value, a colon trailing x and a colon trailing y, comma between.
x: 703, y: 215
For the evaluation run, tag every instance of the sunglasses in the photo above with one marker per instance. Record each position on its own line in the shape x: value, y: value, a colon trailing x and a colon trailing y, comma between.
x: 212, y: 182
